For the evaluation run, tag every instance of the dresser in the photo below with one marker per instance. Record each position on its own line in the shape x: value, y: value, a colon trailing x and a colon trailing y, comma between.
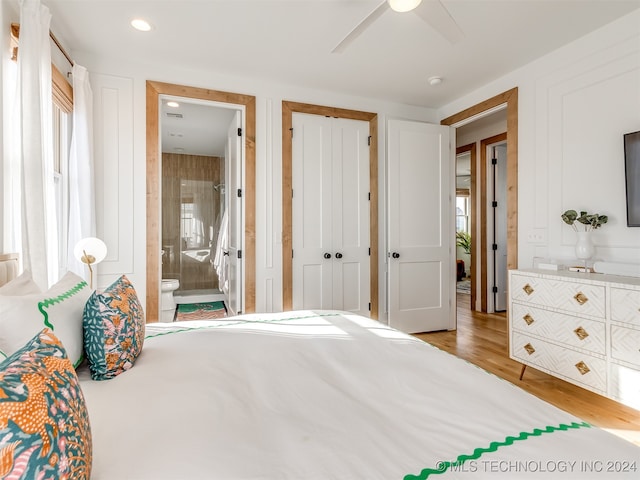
x: 581, y: 327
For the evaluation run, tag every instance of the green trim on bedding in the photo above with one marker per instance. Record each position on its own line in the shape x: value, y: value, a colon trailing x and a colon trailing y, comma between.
x: 47, y: 302
x: 443, y: 466
x: 226, y: 323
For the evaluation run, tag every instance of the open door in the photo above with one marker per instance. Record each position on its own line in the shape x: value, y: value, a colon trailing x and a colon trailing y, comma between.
x: 421, y: 252
x: 233, y: 292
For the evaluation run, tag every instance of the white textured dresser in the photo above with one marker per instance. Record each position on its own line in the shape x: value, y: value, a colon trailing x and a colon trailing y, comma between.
x: 581, y: 327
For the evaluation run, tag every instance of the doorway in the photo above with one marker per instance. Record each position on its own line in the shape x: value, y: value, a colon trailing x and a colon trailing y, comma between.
x: 155, y: 90
x: 288, y: 109
x: 509, y: 101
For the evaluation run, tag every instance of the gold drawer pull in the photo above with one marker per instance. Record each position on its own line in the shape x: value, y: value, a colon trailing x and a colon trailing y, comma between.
x: 528, y: 318
x: 581, y: 298
x: 528, y: 289
x: 582, y: 368
x: 529, y: 348
x: 581, y: 333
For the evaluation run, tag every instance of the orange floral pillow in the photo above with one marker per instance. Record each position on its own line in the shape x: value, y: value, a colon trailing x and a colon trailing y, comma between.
x: 44, y: 424
x: 114, y: 328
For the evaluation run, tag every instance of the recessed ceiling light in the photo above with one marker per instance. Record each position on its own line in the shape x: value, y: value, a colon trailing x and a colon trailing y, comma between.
x: 140, y: 24
x: 433, y: 81
x: 173, y: 104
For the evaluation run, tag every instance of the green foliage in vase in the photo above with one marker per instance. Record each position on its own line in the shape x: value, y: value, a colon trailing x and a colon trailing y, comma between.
x: 591, y: 221
x: 463, y: 239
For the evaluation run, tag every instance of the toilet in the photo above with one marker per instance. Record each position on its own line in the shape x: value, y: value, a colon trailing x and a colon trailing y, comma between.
x: 167, y: 303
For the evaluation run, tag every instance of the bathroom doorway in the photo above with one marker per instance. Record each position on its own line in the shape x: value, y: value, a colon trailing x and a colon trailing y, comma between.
x: 196, y: 161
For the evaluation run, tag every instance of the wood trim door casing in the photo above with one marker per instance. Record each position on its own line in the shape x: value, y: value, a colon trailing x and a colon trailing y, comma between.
x: 153, y: 91
x: 484, y: 239
x: 510, y: 98
x: 472, y: 148
x: 288, y: 108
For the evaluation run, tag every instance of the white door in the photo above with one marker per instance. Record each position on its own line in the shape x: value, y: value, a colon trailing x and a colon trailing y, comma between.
x: 233, y: 173
x: 421, y: 256
x: 500, y: 228
x: 330, y: 213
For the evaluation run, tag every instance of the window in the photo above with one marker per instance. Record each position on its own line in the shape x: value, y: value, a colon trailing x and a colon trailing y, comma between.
x: 462, y: 214
x: 62, y: 103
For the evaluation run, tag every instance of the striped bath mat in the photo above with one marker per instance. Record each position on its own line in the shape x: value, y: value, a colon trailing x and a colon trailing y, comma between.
x: 200, y: 311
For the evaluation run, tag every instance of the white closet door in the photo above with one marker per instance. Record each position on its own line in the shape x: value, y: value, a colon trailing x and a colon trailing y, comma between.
x: 351, y: 266
x: 330, y: 213
x: 312, y: 212
x: 421, y: 227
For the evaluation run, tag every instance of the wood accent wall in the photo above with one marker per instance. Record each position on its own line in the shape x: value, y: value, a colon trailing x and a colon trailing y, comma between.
x: 175, y: 169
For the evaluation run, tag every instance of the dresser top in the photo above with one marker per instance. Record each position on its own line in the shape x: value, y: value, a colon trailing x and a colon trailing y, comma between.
x: 592, y: 278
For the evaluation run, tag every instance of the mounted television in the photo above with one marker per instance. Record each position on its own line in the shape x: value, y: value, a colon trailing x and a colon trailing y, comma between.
x: 632, y: 175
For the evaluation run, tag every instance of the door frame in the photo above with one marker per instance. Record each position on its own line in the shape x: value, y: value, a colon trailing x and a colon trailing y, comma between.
x: 288, y: 109
x: 472, y: 148
x: 510, y: 99
x: 153, y: 91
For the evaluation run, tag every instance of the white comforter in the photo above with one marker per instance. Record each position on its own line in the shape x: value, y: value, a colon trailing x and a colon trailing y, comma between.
x: 328, y: 395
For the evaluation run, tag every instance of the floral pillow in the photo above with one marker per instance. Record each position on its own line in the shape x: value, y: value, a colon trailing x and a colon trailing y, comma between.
x: 114, y: 327
x: 44, y: 424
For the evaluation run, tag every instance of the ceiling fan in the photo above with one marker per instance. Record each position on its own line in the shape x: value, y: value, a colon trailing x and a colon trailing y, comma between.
x: 431, y: 11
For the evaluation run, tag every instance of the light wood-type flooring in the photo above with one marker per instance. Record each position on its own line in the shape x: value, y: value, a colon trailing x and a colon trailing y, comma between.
x: 481, y: 339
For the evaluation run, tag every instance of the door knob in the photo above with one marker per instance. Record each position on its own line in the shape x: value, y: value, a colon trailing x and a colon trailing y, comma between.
x: 395, y: 255
x: 327, y: 255
x: 338, y: 255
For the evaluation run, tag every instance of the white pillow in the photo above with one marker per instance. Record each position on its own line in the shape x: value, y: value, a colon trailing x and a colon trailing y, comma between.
x: 59, y: 308
x: 23, y: 284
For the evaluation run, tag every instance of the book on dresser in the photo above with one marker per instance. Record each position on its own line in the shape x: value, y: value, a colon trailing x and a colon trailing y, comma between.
x: 581, y: 327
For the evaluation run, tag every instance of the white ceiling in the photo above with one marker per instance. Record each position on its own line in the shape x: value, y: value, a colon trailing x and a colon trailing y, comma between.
x: 290, y: 42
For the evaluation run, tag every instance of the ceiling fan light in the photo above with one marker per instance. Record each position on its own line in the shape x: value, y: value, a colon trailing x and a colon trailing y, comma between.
x: 403, y: 5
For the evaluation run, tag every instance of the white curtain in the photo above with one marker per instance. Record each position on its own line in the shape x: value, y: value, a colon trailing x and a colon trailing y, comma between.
x: 38, y: 223
x: 81, y: 177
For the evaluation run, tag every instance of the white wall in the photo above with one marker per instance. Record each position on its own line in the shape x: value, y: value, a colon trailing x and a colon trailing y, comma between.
x: 119, y: 110
x: 574, y: 106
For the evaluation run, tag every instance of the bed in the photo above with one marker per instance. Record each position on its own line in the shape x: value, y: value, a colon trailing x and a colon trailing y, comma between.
x: 324, y: 395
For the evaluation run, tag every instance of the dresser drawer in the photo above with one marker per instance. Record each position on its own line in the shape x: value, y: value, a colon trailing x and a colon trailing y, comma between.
x: 576, y: 367
x: 625, y: 344
x: 559, y: 327
x: 571, y: 297
x: 625, y: 305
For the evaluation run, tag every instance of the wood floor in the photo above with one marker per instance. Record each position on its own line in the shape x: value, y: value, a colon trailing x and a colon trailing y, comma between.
x: 481, y: 339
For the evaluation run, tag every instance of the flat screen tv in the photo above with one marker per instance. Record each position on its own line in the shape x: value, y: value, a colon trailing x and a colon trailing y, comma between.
x: 632, y: 176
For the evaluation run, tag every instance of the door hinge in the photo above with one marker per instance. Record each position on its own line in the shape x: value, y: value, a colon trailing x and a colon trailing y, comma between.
x: 239, y: 131
x: 291, y: 130
x: 494, y: 289
x: 239, y: 192
x: 369, y: 196
x: 369, y: 140
x: 239, y: 253
x: 369, y: 306
x: 291, y: 253
x: 494, y: 204
x: 369, y: 251
x: 494, y: 246
x: 494, y: 161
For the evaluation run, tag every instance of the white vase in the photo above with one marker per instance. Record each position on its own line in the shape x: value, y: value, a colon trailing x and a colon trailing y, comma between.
x: 584, y: 246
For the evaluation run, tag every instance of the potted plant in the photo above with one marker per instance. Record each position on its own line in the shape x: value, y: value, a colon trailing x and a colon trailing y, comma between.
x: 463, y: 240
x: 590, y: 221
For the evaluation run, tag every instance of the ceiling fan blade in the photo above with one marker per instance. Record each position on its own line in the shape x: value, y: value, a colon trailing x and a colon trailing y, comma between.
x: 361, y: 27
x: 436, y: 14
